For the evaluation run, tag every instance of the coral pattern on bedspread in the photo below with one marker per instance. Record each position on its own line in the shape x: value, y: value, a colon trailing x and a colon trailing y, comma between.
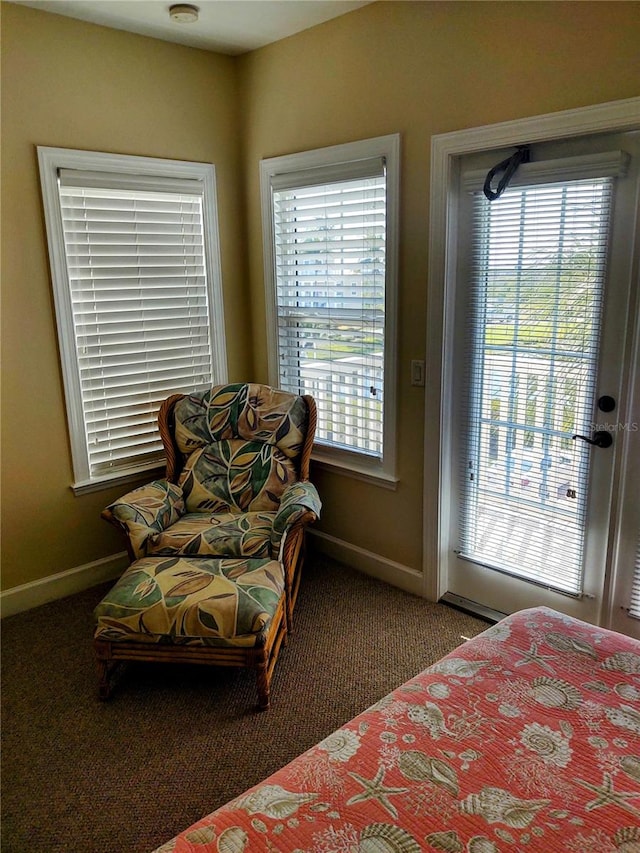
x: 525, y: 738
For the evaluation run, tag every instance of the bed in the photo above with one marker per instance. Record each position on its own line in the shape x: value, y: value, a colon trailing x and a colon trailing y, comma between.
x: 525, y: 738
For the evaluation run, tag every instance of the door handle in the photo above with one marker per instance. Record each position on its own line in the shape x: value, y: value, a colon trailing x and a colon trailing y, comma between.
x: 601, y: 438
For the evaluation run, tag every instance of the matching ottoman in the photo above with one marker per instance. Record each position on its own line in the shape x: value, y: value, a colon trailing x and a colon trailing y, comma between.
x: 221, y: 612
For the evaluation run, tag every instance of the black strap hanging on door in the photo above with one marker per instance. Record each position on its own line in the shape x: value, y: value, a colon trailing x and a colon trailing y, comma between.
x: 508, y: 166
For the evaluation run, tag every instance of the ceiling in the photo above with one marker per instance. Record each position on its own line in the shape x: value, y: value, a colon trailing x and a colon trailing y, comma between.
x: 224, y: 26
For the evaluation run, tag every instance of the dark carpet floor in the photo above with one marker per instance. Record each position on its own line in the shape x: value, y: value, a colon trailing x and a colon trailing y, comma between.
x: 175, y: 742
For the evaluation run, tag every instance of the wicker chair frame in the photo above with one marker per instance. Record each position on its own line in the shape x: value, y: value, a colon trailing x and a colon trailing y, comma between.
x: 261, y: 657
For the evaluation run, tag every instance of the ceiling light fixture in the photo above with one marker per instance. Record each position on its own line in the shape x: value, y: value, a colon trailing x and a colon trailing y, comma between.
x: 183, y: 13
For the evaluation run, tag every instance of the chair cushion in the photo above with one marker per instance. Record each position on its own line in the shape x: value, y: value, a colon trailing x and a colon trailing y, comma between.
x: 240, y: 445
x: 235, y: 475
x: 247, y: 411
x: 226, y: 534
x: 149, y: 508
x: 297, y: 501
x: 185, y: 601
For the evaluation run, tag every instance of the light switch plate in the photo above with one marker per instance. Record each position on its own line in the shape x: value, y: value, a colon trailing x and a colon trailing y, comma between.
x: 417, y: 372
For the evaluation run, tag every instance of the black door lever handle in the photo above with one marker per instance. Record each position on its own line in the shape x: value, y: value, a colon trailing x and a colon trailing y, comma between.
x: 601, y: 438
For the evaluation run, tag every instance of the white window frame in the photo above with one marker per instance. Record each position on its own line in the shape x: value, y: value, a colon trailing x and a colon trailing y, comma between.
x: 359, y: 465
x: 51, y: 160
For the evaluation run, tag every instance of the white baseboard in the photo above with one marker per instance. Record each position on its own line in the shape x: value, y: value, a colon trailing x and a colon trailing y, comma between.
x: 28, y: 595
x: 396, y: 574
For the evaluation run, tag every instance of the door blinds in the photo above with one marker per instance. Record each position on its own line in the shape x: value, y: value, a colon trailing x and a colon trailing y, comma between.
x: 634, y: 605
x: 136, y: 267
x: 329, y: 240
x: 539, y: 259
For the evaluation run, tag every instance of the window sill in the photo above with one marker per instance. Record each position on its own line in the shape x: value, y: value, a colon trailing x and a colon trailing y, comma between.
x: 107, y: 481
x: 356, y: 469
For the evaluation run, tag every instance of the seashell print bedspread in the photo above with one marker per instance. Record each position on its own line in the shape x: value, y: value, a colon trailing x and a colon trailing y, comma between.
x: 525, y: 738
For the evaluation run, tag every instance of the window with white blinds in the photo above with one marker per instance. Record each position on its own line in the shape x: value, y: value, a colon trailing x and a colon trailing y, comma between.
x: 331, y: 281
x: 134, y: 297
x: 533, y: 329
x: 634, y: 604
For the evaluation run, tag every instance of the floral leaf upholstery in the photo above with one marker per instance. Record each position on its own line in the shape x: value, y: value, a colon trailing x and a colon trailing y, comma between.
x: 244, y: 410
x: 241, y: 445
x: 148, y: 510
x: 235, y: 475
x: 297, y: 500
x: 235, y: 451
x: 225, y: 534
x: 200, y: 601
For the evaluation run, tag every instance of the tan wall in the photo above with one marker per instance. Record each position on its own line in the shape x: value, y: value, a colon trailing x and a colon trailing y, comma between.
x: 70, y: 84
x: 416, y: 68
x: 419, y: 69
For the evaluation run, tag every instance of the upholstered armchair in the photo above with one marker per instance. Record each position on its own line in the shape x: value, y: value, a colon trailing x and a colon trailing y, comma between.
x: 237, y: 481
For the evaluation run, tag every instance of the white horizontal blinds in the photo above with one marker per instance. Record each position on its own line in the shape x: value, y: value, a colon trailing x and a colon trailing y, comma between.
x: 634, y: 604
x: 330, y: 236
x: 533, y: 334
x: 135, y: 258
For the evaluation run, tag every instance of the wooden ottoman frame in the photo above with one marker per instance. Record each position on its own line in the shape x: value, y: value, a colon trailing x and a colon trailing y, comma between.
x: 262, y: 657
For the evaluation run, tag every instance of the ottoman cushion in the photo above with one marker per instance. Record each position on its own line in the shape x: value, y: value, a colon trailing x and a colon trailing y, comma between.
x: 192, y: 601
x: 224, y: 534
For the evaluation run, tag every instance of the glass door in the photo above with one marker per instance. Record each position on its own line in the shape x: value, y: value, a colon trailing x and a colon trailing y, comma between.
x: 543, y: 294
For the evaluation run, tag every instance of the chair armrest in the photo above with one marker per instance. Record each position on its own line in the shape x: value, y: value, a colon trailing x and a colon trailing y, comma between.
x: 145, y: 511
x: 300, y: 502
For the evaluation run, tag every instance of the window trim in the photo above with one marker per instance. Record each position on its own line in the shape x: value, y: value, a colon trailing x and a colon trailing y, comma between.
x: 50, y: 160
x: 359, y: 465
